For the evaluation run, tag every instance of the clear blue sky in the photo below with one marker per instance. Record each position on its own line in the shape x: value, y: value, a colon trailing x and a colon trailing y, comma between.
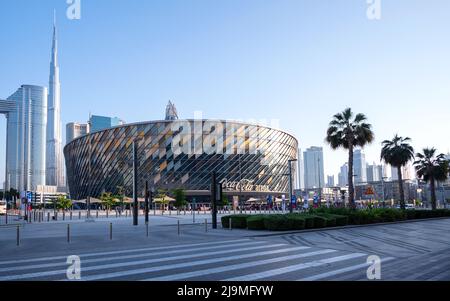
x: 296, y: 60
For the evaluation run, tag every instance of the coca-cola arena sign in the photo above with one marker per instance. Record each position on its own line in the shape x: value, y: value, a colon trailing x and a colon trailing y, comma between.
x: 243, y: 185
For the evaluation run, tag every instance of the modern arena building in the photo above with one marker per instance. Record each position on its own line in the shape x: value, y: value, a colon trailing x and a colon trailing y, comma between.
x: 250, y: 160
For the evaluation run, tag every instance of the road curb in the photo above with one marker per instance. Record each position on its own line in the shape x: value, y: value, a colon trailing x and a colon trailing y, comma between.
x: 344, y: 227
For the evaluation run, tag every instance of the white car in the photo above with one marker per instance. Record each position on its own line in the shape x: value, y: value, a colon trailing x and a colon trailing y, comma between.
x: 2, y: 207
x: 410, y: 206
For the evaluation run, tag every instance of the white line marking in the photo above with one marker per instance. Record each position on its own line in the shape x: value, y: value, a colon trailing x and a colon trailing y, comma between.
x: 236, y: 266
x: 130, y: 263
x: 85, y: 261
x: 190, y: 264
x: 341, y: 271
x: 120, y: 251
x: 294, y: 268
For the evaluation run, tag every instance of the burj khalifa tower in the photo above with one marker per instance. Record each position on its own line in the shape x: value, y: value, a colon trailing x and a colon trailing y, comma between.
x: 54, y: 155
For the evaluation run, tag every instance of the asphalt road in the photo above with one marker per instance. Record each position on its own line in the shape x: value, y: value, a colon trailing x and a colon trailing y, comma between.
x: 408, y: 251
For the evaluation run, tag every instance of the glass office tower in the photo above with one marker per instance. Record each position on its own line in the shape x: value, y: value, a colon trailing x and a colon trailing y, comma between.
x: 26, y: 138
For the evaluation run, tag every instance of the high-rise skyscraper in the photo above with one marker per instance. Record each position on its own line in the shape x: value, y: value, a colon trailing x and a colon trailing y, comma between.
x: 75, y: 130
x: 171, y: 112
x: 313, y: 167
x: 359, y: 167
x: 407, y: 172
x: 54, y: 155
x: 330, y: 181
x: 98, y: 123
x: 26, y: 113
x: 300, y: 171
x: 343, y: 176
x: 374, y: 173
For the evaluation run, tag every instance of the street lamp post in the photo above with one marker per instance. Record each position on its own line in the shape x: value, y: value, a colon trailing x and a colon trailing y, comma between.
x: 384, y: 193
x: 320, y: 182
x: 146, y: 202
x: 135, y: 182
x: 88, y: 199
x: 291, y: 209
x: 193, y: 210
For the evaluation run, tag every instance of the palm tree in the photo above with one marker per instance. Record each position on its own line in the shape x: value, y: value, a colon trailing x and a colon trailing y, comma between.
x: 431, y: 168
x: 348, y: 132
x: 63, y: 203
x: 398, y: 152
x: 180, y: 198
x: 108, y: 200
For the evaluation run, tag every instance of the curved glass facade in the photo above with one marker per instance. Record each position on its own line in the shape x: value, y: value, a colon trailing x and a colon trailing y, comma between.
x: 181, y: 154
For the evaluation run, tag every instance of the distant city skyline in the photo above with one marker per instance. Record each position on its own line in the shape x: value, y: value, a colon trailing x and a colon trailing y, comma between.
x: 227, y: 60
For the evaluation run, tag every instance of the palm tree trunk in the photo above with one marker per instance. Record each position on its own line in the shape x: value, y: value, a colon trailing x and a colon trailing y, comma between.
x: 433, y: 194
x: 351, y: 189
x: 400, y: 186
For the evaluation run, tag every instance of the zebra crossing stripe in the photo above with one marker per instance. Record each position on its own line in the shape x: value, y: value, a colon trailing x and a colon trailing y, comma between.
x: 191, y: 264
x: 293, y: 268
x: 236, y: 266
x: 85, y: 261
x: 131, y: 263
x: 121, y: 252
x: 341, y: 271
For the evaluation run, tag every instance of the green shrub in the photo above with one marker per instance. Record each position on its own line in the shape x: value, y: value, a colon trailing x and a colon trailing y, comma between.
x: 410, y: 214
x: 296, y: 221
x: 256, y: 222
x: 442, y: 212
x: 341, y: 220
x: 238, y: 221
x: 277, y: 223
x: 319, y: 221
x: 309, y: 221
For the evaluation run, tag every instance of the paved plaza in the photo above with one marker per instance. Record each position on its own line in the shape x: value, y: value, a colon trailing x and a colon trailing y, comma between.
x: 194, y: 251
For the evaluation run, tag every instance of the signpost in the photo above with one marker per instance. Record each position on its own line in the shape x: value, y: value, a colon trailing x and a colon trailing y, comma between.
x: 216, y: 196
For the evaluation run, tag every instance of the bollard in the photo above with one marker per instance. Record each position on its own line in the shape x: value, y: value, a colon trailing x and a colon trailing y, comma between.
x: 146, y: 226
x: 110, y: 231
x: 231, y: 225
x: 64, y: 215
x: 116, y: 215
x: 79, y: 214
x: 68, y: 233
x: 96, y: 214
x: 179, y: 228
x: 107, y: 213
x: 206, y: 225
x: 6, y: 217
x: 71, y: 214
x: 48, y: 216
x: 18, y: 235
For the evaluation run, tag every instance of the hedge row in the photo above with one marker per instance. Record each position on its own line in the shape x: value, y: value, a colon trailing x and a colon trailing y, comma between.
x: 326, y: 217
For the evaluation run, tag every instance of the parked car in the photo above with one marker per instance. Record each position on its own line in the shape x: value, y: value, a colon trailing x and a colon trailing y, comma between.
x: 410, y: 206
